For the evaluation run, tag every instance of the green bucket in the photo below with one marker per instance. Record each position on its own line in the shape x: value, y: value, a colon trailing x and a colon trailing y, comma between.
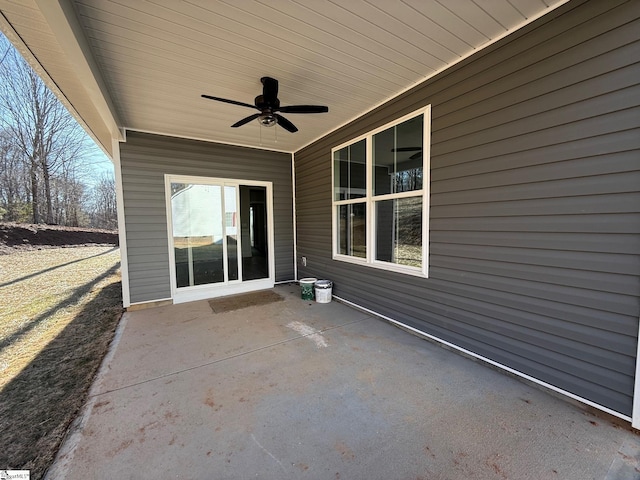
x: 306, y: 288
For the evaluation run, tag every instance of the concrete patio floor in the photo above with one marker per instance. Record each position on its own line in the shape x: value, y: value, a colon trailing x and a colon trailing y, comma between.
x: 296, y: 389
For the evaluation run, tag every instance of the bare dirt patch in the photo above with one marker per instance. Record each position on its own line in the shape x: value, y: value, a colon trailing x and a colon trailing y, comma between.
x: 58, y: 314
x: 14, y: 236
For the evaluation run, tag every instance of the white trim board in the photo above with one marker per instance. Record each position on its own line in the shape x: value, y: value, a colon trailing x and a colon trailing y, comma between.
x: 491, y: 362
x: 122, y: 230
x: 635, y: 422
x: 293, y: 212
x: 205, y: 292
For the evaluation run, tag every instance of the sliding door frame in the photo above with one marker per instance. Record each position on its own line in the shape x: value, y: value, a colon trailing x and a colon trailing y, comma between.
x: 212, y: 290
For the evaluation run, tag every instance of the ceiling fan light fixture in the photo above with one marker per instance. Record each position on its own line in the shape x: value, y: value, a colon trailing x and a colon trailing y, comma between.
x: 267, y: 120
x: 268, y: 105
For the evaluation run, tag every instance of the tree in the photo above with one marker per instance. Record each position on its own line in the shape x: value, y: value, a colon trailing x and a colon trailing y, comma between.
x: 45, y: 137
x: 14, y: 195
x: 104, y: 210
x: 45, y: 156
x: 69, y: 202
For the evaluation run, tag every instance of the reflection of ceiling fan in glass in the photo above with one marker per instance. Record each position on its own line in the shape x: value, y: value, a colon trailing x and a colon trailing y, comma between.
x: 410, y: 149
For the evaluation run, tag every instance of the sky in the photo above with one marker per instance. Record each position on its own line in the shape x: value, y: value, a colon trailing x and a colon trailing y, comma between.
x: 98, y: 164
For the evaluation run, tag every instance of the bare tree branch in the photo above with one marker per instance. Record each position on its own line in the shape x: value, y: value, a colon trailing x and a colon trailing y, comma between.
x: 46, y: 141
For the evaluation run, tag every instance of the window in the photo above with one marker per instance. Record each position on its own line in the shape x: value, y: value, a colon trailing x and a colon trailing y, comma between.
x: 381, y: 196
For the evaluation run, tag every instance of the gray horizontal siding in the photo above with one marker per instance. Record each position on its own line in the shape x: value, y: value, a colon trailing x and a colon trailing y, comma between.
x: 534, y: 204
x: 146, y: 158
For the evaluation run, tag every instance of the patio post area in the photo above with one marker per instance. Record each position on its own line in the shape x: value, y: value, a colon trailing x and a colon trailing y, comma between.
x: 295, y: 389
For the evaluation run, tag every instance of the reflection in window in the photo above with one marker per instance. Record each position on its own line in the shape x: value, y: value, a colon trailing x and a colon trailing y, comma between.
x: 231, y: 228
x: 399, y: 231
x: 197, y: 234
x: 397, y: 158
x: 255, y: 251
x: 352, y: 230
x: 349, y: 167
x: 394, y: 160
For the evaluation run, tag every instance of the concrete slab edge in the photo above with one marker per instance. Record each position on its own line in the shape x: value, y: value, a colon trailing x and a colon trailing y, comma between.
x: 72, y: 438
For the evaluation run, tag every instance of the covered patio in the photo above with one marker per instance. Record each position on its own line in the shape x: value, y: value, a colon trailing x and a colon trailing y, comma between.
x: 471, y: 173
x: 296, y: 389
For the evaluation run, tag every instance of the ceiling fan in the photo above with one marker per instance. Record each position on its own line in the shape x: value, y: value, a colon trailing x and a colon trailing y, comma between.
x: 268, y: 105
x: 410, y: 149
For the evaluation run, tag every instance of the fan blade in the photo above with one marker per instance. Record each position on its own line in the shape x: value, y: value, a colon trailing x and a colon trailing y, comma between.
x: 415, y: 155
x: 304, y: 109
x: 270, y: 90
x: 233, y: 102
x: 406, y: 149
x: 286, y: 124
x: 246, y: 120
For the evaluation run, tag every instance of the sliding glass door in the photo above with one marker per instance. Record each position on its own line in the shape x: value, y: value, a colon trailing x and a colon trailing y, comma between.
x: 219, y: 235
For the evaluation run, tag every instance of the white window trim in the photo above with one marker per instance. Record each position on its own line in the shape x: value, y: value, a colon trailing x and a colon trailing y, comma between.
x: 370, y: 260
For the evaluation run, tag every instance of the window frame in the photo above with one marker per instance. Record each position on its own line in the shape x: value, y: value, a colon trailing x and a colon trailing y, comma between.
x: 370, y: 200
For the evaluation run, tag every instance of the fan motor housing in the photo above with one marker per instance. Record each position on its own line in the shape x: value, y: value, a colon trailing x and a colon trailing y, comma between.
x: 264, y: 106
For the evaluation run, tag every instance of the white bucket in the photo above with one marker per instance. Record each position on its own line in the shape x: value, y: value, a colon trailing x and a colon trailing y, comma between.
x: 324, y: 289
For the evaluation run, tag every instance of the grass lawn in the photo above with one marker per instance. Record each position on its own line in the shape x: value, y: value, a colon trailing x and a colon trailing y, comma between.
x: 58, y: 311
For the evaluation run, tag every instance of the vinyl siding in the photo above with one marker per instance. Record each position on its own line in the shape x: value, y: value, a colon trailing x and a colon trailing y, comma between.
x: 534, y: 204
x: 146, y: 158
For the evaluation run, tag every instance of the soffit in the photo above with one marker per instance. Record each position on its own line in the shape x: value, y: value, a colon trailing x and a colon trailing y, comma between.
x: 157, y: 57
x: 27, y: 28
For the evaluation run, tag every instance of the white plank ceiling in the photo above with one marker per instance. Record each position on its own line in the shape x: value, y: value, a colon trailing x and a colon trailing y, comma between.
x: 156, y: 57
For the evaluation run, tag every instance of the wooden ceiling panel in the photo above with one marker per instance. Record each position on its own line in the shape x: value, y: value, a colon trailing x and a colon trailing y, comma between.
x: 156, y: 57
